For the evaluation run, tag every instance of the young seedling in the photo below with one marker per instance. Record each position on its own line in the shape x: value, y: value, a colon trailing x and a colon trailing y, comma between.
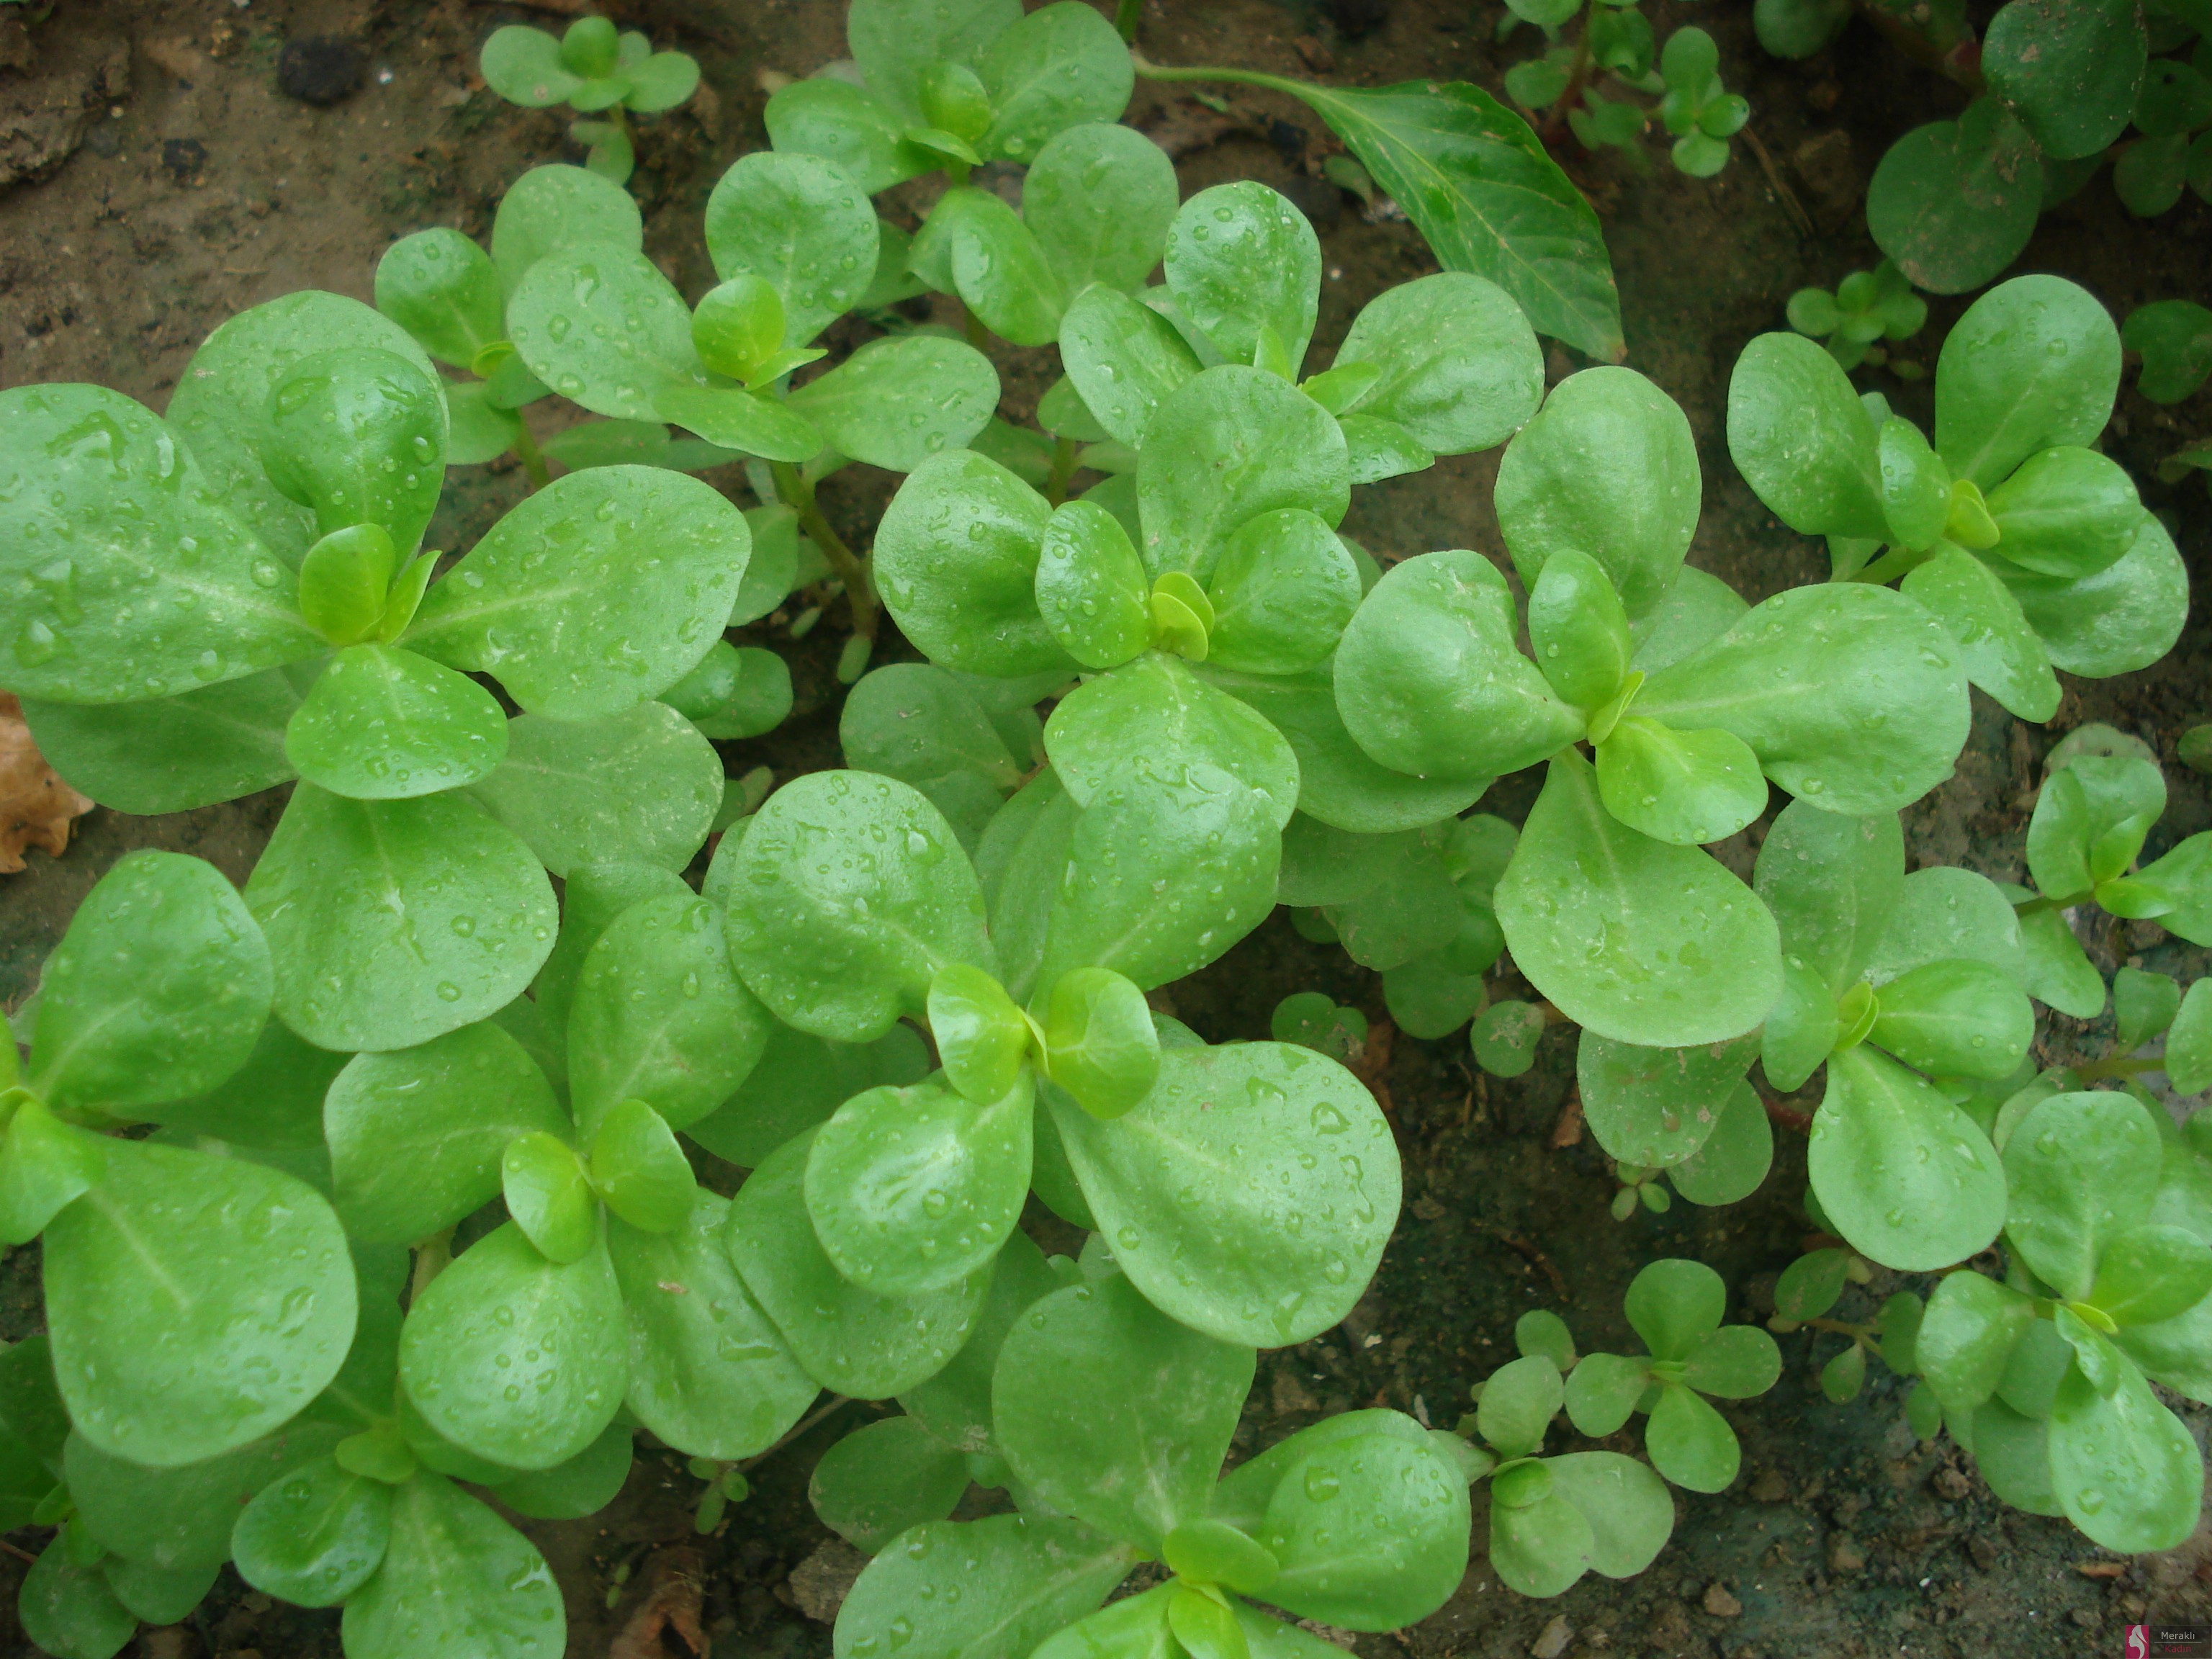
x: 1687, y: 1114
x: 2031, y: 548
x: 1616, y: 46
x: 2044, y: 1376
x: 1867, y: 307
x: 594, y: 70
x: 1808, y: 1292
x: 1676, y: 1307
x: 1313, y: 1020
x: 1552, y: 1519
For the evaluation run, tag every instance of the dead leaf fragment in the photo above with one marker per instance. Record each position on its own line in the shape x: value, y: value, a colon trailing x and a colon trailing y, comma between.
x: 671, y: 1608
x: 36, y: 806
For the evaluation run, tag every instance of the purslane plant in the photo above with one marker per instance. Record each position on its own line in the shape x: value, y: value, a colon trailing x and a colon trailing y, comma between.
x: 2031, y: 546
x: 1866, y: 308
x: 592, y: 68
x: 1617, y: 43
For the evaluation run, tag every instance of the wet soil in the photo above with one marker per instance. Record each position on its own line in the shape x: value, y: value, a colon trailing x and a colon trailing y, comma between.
x: 155, y: 178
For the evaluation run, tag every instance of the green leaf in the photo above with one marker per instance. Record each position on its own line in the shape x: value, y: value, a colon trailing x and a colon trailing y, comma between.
x: 639, y: 1169
x: 1139, y: 836
x: 802, y: 224
x: 1282, y: 593
x: 2033, y: 364
x: 68, y: 1610
x: 1953, y: 203
x: 384, y: 724
x: 1667, y: 949
x: 738, y: 420
x: 2127, y: 1470
x: 171, y: 754
x: 2151, y: 1273
x: 1999, y: 648
x: 1630, y: 1511
x: 1154, y: 715
x: 1099, y: 1043
x: 708, y: 1374
x: 847, y: 1338
x: 994, y: 1589
x: 1736, y: 1361
x: 529, y: 1391
x: 44, y: 1166
x: 526, y: 66
x: 1230, y: 444
x: 601, y: 325
x: 552, y: 208
x: 1955, y: 1019
x: 1056, y: 67
x: 894, y: 41
x: 359, y: 436
x: 639, y: 786
x: 1113, y: 1412
x: 583, y: 1485
x: 2083, y: 1169
x: 1241, y: 263
x: 1655, y: 1107
x: 1519, y: 1400
x: 895, y: 403
x: 1904, y: 1175
x: 2066, y: 512
x: 442, y: 288
x: 913, y: 1190
x: 1370, y: 1531
x: 848, y: 125
x: 1916, y: 485
x: 1430, y: 682
x: 2175, y: 339
x: 131, y: 579
x: 1797, y: 433
x: 221, y: 405
x: 1608, y: 469
x: 1851, y: 695
x: 1833, y: 884
x: 955, y: 1404
x: 1099, y: 199
x: 1673, y: 1303
x: 180, y: 1520
x: 1479, y: 185
x: 1281, y: 1132
x: 313, y: 1536
x: 2068, y: 69
x: 841, y: 945
x: 800, y: 1081
x: 1124, y: 359
x: 1687, y: 788
x: 243, y: 1268
x: 956, y: 557
x: 1967, y: 1336
x: 1690, y: 1442
x: 1541, y: 1548
x: 415, y: 1136
x: 884, y: 1478
x: 392, y: 921
x: 1090, y: 587
x: 2124, y: 617
x: 157, y: 1596
x: 1694, y: 610
x: 1504, y: 1038
x: 549, y: 1198
x: 2188, y: 1043
x: 556, y: 601
x: 456, y: 1582
x: 157, y: 992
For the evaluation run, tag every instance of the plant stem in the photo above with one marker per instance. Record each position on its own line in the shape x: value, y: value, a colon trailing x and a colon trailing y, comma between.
x: 533, y: 458
x: 1893, y: 564
x: 1127, y: 16
x: 1578, y: 76
x: 432, y: 1256
x: 2034, y: 906
x: 799, y: 494
x: 1856, y: 1332
x: 1063, y: 469
x: 2116, y: 1066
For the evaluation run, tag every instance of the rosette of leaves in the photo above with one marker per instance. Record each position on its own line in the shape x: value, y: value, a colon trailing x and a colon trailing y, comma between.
x: 1554, y: 1519
x: 2031, y: 547
x: 1910, y: 990
x: 2058, y: 91
x: 1867, y: 307
x: 852, y: 905
x: 451, y: 297
x: 1701, y: 112
x: 1809, y: 1291
x: 595, y: 71
x: 2102, y: 795
x: 952, y: 85
x: 1113, y: 1421
x: 1691, y: 701
x: 1677, y: 1307
x: 296, y: 633
x: 1617, y: 46
x: 2044, y: 1376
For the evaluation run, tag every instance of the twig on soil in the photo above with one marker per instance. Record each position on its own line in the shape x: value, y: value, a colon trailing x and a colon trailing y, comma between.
x: 673, y: 1600
x: 1514, y: 1242
x: 1801, y: 219
x: 19, y: 1554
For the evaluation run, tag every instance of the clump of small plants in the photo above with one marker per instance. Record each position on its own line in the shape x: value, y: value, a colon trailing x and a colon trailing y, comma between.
x: 372, y: 1200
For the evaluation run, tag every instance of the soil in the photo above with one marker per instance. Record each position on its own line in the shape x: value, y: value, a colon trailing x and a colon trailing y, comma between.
x: 155, y: 178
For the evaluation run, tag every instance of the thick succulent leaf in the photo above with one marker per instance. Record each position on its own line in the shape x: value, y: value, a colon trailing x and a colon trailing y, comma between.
x: 2068, y: 69
x: 1540, y: 1548
x: 896, y: 42
x: 171, y: 754
x: 2084, y: 1169
x: 1953, y: 203
x: 2032, y: 363
x: 358, y: 435
x: 1691, y: 788
x: 456, y: 1582
x: 1461, y: 369
x: 1956, y: 1020
x: 1904, y: 1175
x: 533, y: 1389
x: 243, y: 1268
x: 801, y: 224
x: 313, y: 1536
x: 895, y: 403
x: 1154, y: 715
x: 1998, y: 647
x: 1099, y: 199
x: 641, y: 787
x: 1282, y: 593
x: 601, y: 325
x: 1690, y: 1442
x: 847, y: 1338
x: 1833, y: 882
x: 392, y: 921
x: 955, y: 1404
x: 1967, y: 1336
x: 416, y: 1135
x: 995, y: 1588
x: 1061, y: 66
x: 848, y: 125
x: 977, y: 247
x: 1123, y: 358
x: 1733, y: 1161
x: 180, y: 1519
x: 849, y: 893
x: 1694, y: 609
x: 1371, y: 1532
x: 884, y: 1478
x: 444, y: 291
x: 1090, y: 587
x: 384, y: 723
x: 1113, y: 1412
x: 708, y: 1374
x: 1635, y: 940
x: 1799, y: 436
x: 1946, y: 915
x: 1608, y: 469
x: 799, y: 1082
x: 2127, y: 1470
x: 1852, y: 696
x: 600, y: 591
x: 2124, y: 617
x: 1630, y: 1511
x: 1655, y: 1107
x: 551, y: 207
x: 1229, y: 444
x: 128, y: 575
x: 1303, y: 1190
x: 1243, y: 263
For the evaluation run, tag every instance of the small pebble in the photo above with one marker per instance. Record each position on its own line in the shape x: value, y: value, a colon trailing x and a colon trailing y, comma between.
x: 318, y: 68
x: 1553, y: 1641
x: 1719, y: 1603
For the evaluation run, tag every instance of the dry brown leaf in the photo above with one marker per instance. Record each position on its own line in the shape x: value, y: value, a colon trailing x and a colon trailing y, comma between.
x: 671, y: 1608
x: 35, y: 806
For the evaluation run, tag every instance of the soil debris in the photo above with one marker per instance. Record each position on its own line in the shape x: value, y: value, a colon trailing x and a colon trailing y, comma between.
x: 318, y: 68
x: 36, y: 807
x: 820, y: 1583
x: 1553, y: 1640
x: 673, y: 1581
x: 1720, y: 1602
